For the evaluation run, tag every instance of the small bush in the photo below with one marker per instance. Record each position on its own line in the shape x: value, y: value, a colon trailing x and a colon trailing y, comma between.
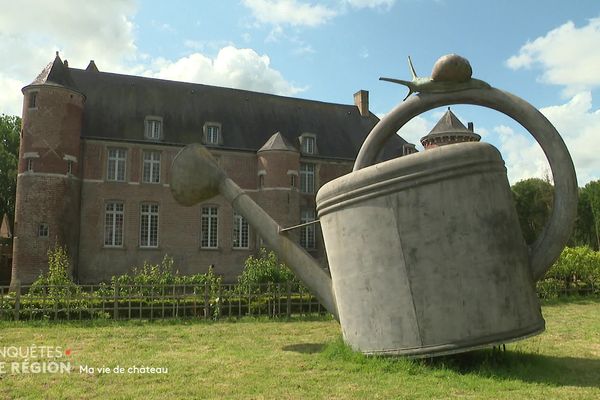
x: 577, y: 269
x: 263, y: 271
x: 57, y: 280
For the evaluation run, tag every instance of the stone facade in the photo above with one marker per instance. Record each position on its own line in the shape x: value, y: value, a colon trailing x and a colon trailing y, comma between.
x: 104, y: 193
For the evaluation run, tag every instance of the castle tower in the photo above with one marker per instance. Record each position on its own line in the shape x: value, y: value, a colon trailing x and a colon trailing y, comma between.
x: 449, y: 130
x: 278, y: 164
x: 49, y: 176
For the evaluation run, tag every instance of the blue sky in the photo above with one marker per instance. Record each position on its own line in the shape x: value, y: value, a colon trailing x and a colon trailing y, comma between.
x: 545, y: 52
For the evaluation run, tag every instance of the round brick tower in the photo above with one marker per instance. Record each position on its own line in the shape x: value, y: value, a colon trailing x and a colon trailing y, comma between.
x: 49, y: 178
x: 278, y: 163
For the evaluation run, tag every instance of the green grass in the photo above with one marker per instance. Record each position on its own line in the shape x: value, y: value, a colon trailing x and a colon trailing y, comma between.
x: 303, y: 359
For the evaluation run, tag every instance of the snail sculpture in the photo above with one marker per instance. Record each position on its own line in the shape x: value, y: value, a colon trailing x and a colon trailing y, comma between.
x: 451, y: 73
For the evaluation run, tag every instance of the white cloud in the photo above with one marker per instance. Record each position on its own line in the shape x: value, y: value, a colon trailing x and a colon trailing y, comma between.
x: 105, y: 32
x: 523, y: 157
x: 232, y: 67
x: 289, y: 12
x: 10, y: 95
x: 579, y: 126
x: 299, y: 13
x: 385, y: 4
x: 568, y: 56
x: 415, y: 129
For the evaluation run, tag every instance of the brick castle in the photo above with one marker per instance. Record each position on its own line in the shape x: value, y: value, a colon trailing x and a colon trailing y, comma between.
x: 94, y: 161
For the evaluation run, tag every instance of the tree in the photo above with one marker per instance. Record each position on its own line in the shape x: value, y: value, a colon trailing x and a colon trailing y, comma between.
x: 587, y: 225
x: 533, y: 199
x: 10, y: 127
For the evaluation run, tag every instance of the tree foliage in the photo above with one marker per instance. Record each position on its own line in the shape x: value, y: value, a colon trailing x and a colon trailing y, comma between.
x: 533, y: 200
x: 10, y: 126
x: 587, y: 226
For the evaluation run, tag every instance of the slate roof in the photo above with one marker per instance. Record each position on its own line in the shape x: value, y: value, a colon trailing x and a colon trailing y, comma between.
x: 116, y: 106
x: 5, y: 232
x: 278, y: 142
x: 57, y: 74
x: 449, y: 123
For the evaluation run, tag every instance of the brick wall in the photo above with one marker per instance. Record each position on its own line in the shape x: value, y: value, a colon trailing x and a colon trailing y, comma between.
x: 180, y: 227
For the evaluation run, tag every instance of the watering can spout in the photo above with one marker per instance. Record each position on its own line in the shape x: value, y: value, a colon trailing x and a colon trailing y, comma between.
x: 196, y: 177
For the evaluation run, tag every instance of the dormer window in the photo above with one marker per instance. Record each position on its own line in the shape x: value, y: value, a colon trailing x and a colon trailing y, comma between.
x: 308, y: 144
x: 153, y: 129
x: 408, y: 148
x: 212, y: 133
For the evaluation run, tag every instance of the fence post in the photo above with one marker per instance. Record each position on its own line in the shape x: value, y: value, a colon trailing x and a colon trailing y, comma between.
x: 219, y: 301
x: 116, y: 303
x: 288, y: 311
x: 17, y: 300
x: 206, y: 301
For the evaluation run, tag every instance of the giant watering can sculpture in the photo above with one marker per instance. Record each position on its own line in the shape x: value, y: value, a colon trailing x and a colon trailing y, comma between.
x: 425, y: 251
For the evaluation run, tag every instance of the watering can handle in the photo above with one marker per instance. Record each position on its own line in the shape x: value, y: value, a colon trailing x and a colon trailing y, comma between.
x: 548, y: 246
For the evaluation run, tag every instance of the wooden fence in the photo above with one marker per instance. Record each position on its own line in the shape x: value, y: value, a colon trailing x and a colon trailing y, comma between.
x: 155, y: 301
x: 206, y: 301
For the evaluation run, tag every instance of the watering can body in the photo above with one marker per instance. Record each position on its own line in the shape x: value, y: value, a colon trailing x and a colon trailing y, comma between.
x: 426, y: 254
x: 425, y: 251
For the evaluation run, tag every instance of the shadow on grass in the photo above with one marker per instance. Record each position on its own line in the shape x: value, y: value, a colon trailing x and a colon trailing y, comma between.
x: 305, y: 348
x: 490, y: 363
x: 526, y: 367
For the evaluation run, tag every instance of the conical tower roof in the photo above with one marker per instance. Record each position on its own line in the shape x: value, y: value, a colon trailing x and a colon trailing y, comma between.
x: 56, y: 73
x: 278, y: 142
x: 5, y: 232
x: 449, y: 130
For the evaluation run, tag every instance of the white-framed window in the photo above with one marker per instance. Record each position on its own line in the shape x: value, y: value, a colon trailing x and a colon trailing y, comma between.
x: 293, y: 181
x: 43, y: 230
x: 69, y: 167
x: 117, y: 160
x: 113, y: 224
x: 307, y: 178
x: 153, y: 128
x: 210, y: 223
x: 212, y: 134
x: 32, y: 103
x: 307, y: 233
x: 30, y: 164
x: 149, y: 225
x: 308, y: 144
x: 151, y: 167
x: 241, y: 232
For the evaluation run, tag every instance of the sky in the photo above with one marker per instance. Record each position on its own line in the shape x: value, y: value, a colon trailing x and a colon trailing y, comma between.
x: 547, y: 53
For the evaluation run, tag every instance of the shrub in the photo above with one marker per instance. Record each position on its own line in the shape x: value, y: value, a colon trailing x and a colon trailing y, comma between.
x: 576, y: 268
x: 264, y: 270
x: 151, y: 279
x: 58, y: 279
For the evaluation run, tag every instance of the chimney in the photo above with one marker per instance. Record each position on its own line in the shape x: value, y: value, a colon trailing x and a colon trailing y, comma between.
x: 470, y: 126
x: 361, y: 100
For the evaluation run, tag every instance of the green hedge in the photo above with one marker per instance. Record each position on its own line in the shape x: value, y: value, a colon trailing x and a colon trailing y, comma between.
x: 266, y: 287
x: 577, y: 271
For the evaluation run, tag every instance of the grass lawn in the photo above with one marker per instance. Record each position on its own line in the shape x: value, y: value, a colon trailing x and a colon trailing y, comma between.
x: 300, y: 360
